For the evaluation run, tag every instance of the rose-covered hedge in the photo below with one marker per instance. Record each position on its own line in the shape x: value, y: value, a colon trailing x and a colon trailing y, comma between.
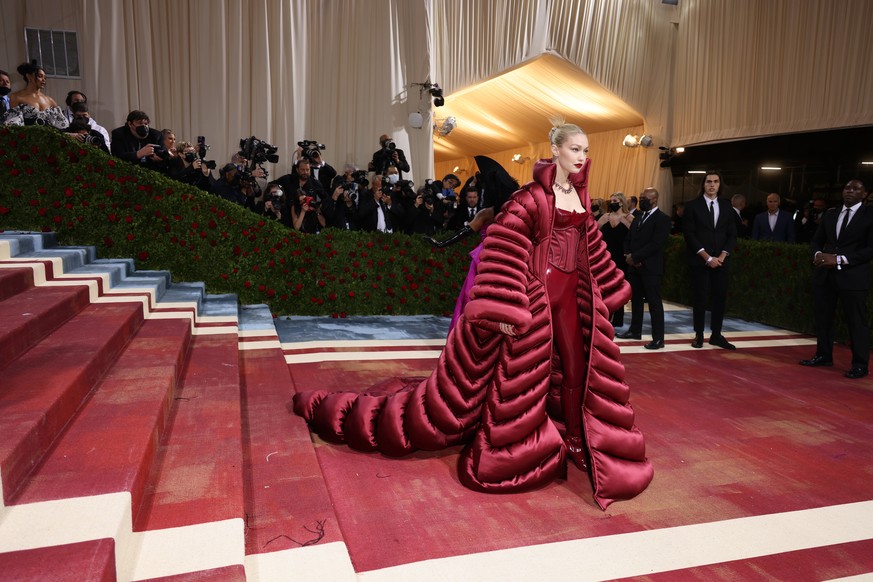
x: 51, y: 183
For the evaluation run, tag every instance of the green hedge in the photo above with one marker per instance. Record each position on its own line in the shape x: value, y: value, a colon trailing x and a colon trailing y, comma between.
x: 51, y: 183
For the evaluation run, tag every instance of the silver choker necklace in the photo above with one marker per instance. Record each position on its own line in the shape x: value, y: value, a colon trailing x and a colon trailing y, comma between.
x: 566, y: 190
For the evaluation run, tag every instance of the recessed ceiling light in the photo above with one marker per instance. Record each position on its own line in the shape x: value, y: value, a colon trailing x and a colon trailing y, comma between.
x: 771, y: 168
x: 696, y: 171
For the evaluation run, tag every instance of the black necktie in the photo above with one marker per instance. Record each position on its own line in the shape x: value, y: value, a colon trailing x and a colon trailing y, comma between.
x: 645, y: 216
x: 845, y: 222
x: 712, y: 212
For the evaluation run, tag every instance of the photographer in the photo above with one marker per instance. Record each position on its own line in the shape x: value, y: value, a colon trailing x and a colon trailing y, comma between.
x: 136, y: 142
x: 301, y: 178
x: 188, y: 168
x: 79, y: 110
x: 82, y: 132
x: 306, y: 213
x: 274, y: 205
x: 388, y: 156
x: 378, y: 209
x: 340, y: 209
x: 167, y: 152
x: 323, y: 172
x: 227, y: 185
x: 426, y: 215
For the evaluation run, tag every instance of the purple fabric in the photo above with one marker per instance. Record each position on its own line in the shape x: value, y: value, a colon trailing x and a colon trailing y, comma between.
x: 464, y: 295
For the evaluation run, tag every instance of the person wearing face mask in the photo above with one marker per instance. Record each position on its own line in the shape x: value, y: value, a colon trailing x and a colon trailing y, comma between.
x: 186, y: 167
x: 532, y: 345
x: 644, y: 257
x: 614, y: 226
x: 135, y: 141
x: 5, y: 90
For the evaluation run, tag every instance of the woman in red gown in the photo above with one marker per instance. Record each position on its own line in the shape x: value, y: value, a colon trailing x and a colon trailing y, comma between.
x: 534, y: 346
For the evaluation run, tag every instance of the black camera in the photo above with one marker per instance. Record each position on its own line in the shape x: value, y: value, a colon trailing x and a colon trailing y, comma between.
x: 311, y: 149
x: 202, y: 148
x: 161, y: 152
x: 351, y: 190
x: 360, y: 178
x: 257, y: 152
x: 275, y: 197
x: 389, y: 145
x: 428, y: 198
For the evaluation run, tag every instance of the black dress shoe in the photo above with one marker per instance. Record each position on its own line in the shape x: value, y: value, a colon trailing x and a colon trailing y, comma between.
x: 655, y: 345
x: 629, y: 335
x: 698, y: 341
x: 817, y: 361
x: 721, y: 342
x: 856, y: 372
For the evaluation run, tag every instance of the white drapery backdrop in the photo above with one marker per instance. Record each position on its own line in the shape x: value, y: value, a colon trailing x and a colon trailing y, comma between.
x: 335, y: 71
x: 339, y: 71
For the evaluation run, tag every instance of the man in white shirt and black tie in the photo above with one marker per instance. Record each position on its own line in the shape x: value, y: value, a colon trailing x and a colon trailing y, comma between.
x: 842, y: 250
x: 467, y: 209
x: 710, y: 230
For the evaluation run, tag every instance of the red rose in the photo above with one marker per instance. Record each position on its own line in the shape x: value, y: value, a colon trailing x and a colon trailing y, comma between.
x: 130, y: 237
x: 3, y: 210
x: 108, y: 241
x: 248, y: 284
x: 143, y: 256
x: 352, y: 294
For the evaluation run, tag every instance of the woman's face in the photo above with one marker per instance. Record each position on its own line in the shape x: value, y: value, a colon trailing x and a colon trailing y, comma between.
x: 38, y: 79
x: 170, y: 141
x: 571, y: 155
x: 615, y: 200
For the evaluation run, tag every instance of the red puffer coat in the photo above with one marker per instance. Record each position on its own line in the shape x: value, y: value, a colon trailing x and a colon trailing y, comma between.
x: 493, y: 391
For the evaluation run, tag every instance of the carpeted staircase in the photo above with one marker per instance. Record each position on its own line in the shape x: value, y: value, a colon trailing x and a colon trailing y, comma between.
x: 145, y: 430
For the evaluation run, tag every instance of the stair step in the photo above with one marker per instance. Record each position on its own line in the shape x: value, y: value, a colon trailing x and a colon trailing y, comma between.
x: 33, y: 314
x: 198, y: 477
x: 91, y: 561
x: 286, y: 493
x: 226, y: 574
x: 45, y: 386
x: 14, y: 281
x: 111, y: 443
x: 14, y: 242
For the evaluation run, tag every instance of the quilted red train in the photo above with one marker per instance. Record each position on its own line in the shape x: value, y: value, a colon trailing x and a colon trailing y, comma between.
x: 495, y: 392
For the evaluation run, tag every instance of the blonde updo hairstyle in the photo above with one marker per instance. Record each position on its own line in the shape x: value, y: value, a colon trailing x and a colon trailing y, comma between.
x: 561, y: 131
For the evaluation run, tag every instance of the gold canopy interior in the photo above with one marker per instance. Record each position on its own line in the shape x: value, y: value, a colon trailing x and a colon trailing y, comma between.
x: 511, y: 109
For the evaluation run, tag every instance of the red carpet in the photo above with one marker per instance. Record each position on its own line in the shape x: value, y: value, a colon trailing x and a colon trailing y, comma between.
x: 731, y: 434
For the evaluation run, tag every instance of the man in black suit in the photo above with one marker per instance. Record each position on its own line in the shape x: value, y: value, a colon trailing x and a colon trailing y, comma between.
x: 842, y: 249
x: 644, y: 254
x: 710, y: 230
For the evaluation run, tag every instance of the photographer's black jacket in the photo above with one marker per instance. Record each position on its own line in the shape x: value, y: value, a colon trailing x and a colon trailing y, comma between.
x: 125, y: 144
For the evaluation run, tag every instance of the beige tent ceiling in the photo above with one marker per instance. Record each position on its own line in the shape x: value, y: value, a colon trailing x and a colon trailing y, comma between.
x: 513, y: 108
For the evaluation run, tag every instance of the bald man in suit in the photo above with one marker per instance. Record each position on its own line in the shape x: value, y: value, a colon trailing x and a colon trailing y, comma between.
x: 842, y: 250
x: 644, y: 254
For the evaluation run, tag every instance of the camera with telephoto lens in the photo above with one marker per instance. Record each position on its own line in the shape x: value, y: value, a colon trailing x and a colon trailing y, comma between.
x: 311, y: 149
x: 389, y: 146
x: 202, y: 148
x: 275, y: 197
x: 257, y: 153
x: 360, y: 178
